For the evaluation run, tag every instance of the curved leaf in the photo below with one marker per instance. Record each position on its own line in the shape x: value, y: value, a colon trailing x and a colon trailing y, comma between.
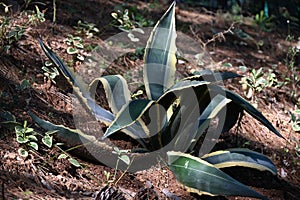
x: 176, y: 91
x: 8, y: 120
x: 160, y: 59
x: 210, y: 112
x: 128, y: 115
x: 138, y: 131
x: 240, y: 157
x: 74, y: 135
x: 80, y: 88
x: 116, y: 90
x: 100, y: 113
x: 7, y: 116
x: 251, y: 110
x: 233, y: 112
x: 240, y: 104
x: 203, y: 178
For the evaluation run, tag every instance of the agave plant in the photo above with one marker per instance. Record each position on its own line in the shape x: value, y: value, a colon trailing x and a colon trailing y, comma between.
x: 172, y: 119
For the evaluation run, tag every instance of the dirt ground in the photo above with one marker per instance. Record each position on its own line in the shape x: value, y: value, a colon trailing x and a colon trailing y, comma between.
x: 42, y: 176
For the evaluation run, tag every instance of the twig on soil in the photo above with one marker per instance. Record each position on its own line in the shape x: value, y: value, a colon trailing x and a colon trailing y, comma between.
x: 220, y: 36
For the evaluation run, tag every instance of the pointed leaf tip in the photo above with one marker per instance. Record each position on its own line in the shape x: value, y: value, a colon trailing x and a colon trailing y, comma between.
x: 160, y: 59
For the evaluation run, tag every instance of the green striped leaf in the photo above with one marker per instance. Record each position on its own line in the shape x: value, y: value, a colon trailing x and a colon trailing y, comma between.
x: 138, y: 131
x: 177, y: 90
x: 128, y: 115
x: 160, y: 59
x: 68, y: 73
x: 116, y: 90
x: 233, y: 112
x: 239, y: 104
x: 82, y: 91
x: 251, y: 110
x: 63, y: 132
x: 8, y: 120
x: 240, y: 157
x: 186, y: 114
x: 210, y: 112
x: 203, y: 178
x: 75, y: 138
x: 7, y: 116
x: 79, y: 86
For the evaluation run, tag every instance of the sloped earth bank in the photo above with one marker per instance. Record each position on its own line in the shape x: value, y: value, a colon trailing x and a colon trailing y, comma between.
x: 42, y: 176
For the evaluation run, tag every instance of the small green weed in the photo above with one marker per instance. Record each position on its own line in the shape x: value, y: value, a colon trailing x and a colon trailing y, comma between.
x: 121, y: 156
x: 264, y: 22
x: 139, y: 19
x: 52, y: 72
x: 6, y: 7
x: 11, y: 30
x: 15, y: 34
x: 122, y: 20
x: 72, y: 160
x: 257, y: 81
x: 75, y: 44
x: 29, y: 139
x: 89, y: 29
x: 292, y: 77
x: 25, y: 84
x: 36, y: 17
x: 26, y: 137
x: 295, y: 120
x: 127, y: 20
x: 130, y: 20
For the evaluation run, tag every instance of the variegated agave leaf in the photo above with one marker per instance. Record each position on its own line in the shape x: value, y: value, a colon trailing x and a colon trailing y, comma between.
x: 202, y: 177
x: 128, y: 115
x: 239, y: 103
x: 116, y: 90
x: 79, y: 86
x: 160, y: 58
x: 135, y: 110
x: 210, y: 112
x: 240, y: 157
x: 8, y: 120
x: 82, y: 90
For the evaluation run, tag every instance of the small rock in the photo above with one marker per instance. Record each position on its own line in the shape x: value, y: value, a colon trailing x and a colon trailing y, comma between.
x: 170, y: 194
x: 282, y: 173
